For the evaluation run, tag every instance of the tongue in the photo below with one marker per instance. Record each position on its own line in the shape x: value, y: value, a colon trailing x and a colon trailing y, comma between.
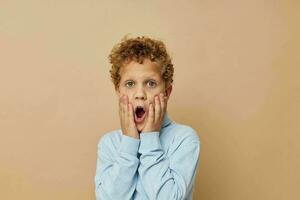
x: 140, y: 114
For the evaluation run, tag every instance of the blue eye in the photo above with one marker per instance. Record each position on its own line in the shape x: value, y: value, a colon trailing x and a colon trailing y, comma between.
x: 129, y: 84
x: 152, y: 83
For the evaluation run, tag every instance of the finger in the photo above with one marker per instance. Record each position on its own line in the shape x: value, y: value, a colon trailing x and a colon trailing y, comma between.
x: 157, y: 108
x: 121, y: 112
x: 131, y: 117
x: 126, y: 108
x: 162, y: 103
x: 151, y: 114
x: 120, y: 105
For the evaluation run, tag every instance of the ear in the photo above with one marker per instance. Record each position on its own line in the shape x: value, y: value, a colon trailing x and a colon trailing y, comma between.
x: 168, y: 91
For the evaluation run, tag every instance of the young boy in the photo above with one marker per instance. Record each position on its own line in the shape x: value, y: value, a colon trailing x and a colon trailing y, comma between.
x: 151, y: 156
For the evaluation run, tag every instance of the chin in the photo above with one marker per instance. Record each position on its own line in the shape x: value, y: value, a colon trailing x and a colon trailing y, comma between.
x: 140, y: 127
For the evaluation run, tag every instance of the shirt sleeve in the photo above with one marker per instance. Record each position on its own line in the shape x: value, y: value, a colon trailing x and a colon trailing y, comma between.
x: 168, y: 178
x: 116, y: 175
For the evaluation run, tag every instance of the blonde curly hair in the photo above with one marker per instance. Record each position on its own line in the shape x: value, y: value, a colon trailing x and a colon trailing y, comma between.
x: 138, y: 49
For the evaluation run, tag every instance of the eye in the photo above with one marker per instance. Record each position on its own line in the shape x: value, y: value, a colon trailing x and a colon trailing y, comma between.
x: 129, y: 84
x: 151, y: 83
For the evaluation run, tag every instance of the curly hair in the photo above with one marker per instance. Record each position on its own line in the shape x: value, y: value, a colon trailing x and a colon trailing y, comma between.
x: 137, y: 49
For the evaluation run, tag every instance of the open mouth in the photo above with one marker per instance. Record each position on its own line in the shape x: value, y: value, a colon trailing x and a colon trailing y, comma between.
x: 140, y: 114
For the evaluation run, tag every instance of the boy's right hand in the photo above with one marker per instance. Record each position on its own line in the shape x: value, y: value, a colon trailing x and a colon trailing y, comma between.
x: 126, y: 114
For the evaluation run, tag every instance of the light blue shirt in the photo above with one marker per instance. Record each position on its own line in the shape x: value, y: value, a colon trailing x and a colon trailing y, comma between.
x: 158, y: 166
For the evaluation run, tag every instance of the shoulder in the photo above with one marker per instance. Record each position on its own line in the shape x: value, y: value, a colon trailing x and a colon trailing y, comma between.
x: 184, y: 133
x: 183, y: 139
x: 110, y: 138
x: 108, y: 145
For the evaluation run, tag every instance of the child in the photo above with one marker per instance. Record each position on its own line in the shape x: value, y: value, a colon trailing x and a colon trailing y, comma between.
x: 151, y: 156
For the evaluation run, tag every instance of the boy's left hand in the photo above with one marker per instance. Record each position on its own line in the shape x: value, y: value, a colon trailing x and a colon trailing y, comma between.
x: 156, y: 114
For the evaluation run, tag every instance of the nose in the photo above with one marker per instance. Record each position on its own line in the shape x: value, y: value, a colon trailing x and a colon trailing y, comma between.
x: 140, y: 93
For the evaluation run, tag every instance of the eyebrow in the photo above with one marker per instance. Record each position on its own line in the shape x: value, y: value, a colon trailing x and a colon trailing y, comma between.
x: 151, y: 77
x: 148, y: 79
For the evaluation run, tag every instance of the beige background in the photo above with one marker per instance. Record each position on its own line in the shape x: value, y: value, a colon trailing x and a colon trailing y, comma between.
x: 236, y: 82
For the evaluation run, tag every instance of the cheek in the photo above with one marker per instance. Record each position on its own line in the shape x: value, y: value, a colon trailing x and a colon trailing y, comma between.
x: 124, y: 92
x: 151, y: 96
x: 151, y: 100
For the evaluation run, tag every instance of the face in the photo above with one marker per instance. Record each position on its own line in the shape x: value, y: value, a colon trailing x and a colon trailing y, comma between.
x: 141, y: 82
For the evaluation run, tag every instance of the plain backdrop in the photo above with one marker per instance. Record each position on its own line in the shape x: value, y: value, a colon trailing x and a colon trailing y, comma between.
x: 236, y: 82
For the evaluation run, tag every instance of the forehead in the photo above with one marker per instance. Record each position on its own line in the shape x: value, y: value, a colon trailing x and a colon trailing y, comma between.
x: 136, y: 70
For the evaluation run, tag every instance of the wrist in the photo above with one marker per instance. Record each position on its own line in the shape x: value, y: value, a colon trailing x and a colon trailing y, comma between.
x: 136, y: 136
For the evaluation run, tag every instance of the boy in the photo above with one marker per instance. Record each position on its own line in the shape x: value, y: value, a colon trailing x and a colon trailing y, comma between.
x: 151, y: 156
